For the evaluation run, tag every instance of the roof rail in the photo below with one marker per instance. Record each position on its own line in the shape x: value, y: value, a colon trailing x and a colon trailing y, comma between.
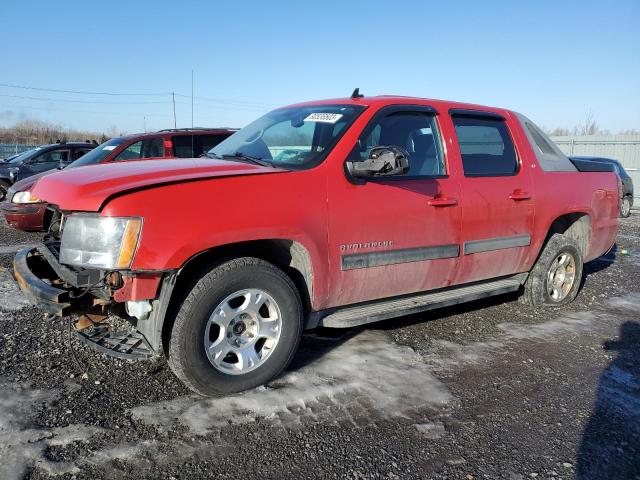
x: 193, y: 129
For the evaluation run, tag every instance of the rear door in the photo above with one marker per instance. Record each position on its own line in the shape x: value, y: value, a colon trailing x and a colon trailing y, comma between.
x: 395, y: 235
x: 497, y: 203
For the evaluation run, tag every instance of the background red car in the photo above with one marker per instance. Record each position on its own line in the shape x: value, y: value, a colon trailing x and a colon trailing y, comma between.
x: 25, y: 212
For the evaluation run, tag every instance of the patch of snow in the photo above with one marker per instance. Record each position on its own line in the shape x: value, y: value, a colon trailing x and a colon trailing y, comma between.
x: 11, y: 298
x: 23, y: 444
x: 432, y: 430
x: 353, y: 381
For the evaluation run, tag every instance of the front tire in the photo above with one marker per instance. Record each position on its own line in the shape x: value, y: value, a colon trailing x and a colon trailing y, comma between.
x: 238, y: 328
x: 625, y: 207
x: 555, y: 278
x: 4, y: 186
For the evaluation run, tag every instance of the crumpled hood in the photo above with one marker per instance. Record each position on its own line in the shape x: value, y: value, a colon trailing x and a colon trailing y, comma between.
x: 87, y: 188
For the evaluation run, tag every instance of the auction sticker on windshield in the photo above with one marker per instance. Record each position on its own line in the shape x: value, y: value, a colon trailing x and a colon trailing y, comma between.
x: 323, y: 117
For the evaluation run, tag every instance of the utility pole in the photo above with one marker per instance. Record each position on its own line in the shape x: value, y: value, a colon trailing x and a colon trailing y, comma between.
x: 144, y: 121
x: 192, y: 98
x: 173, y: 96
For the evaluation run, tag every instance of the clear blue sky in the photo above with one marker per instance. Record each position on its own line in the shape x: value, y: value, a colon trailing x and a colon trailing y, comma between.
x: 551, y: 60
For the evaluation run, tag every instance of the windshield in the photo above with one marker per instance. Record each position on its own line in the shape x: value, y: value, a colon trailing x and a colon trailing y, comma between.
x: 24, y: 156
x: 294, y: 138
x: 98, y: 154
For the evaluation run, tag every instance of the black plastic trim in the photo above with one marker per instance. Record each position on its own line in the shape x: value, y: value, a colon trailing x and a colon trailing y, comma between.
x: 468, y: 112
x: 497, y: 243
x: 392, y: 257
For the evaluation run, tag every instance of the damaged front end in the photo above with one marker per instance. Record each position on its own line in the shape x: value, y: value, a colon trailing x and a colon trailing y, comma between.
x: 116, y: 311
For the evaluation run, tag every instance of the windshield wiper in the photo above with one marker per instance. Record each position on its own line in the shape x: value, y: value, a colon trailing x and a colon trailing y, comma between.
x: 250, y: 158
x: 210, y: 155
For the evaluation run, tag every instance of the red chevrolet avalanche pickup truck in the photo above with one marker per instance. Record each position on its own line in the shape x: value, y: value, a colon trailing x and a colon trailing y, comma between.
x: 330, y: 213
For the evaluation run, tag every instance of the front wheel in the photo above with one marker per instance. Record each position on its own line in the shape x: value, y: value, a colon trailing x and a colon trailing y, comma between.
x: 4, y: 186
x: 238, y: 328
x: 625, y: 207
x: 556, y: 276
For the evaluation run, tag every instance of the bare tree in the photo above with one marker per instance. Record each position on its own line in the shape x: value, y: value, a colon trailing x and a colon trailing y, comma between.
x: 37, y: 132
x: 590, y: 126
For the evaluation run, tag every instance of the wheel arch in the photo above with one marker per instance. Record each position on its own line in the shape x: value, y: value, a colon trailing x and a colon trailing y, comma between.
x: 289, y: 255
x: 576, y: 225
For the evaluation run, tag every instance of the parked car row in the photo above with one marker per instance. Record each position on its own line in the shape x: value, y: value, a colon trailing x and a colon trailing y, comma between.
x: 24, y: 211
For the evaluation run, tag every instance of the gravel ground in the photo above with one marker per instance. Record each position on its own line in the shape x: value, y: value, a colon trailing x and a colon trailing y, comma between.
x: 492, y: 389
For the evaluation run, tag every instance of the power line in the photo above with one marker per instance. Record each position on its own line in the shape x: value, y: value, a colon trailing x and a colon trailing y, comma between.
x: 64, y: 100
x: 86, y: 111
x: 168, y: 94
x: 9, y: 85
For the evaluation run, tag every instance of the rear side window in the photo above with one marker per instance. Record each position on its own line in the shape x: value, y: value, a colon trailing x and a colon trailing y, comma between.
x: 79, y: 153
x: 193, y: 146
x: 486, y: 147
x: 149, y: 148
x: 204, y: 143
x: 182, y: 146
x: 539, y: 140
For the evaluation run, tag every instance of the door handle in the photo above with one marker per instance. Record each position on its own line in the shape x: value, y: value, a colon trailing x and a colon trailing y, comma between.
x: 442, y: 202
x: 518, y: 195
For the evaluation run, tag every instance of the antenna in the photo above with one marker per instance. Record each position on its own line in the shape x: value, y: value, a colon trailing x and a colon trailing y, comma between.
x: 192, y: 98
x: 173, y: 96
x: 356, y: 94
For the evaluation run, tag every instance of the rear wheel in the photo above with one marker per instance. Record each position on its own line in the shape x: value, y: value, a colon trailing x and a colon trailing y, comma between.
x: 4, y: 186
x: 238, y: 328
x: 625, y: 207
x: 556, y: 276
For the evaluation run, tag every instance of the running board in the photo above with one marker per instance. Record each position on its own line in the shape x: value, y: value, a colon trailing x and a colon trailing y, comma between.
x: 352, y: 316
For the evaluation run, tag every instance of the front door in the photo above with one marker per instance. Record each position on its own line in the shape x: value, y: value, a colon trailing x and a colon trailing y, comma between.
x: 395, y: 235
x: 497, y: 203
x: 49, y: 160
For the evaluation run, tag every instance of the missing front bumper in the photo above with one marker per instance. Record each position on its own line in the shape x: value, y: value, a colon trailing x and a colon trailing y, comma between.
x: 32, y: 272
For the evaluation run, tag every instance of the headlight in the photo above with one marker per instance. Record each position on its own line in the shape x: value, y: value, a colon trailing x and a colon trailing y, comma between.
x: 99, y: 242
x: 24, y: 197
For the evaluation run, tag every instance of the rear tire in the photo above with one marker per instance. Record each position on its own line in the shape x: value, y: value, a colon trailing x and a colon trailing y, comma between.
x: 4, y: 186
x: 238, y: 328
x: 625, y: 207
x: 555, y: 278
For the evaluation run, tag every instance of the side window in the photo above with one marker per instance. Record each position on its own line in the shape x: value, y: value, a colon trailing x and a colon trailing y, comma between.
x: 486, y: 147
x: 182, y: 146
x: 54, y: 156
x: 152, y: 147
x: 415, y: 132
x: 540, y: 141
x: 79, y: 152
x: 204, y: 143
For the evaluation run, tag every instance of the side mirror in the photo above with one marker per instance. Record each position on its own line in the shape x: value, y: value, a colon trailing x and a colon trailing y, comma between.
x: 382, y: 162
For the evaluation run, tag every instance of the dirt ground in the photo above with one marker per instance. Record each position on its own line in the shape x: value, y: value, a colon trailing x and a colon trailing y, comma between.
x: 490, y: 390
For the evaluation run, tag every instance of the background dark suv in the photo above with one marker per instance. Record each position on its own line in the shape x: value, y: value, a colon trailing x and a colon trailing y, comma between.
x: 40, y: 159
